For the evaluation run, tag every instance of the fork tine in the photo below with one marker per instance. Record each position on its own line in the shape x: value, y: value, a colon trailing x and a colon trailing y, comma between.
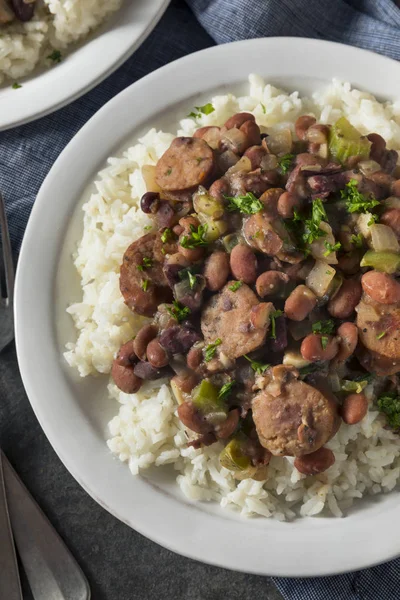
x: 7, y: 254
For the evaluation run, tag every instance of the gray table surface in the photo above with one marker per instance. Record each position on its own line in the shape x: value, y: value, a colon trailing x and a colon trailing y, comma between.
x: 119, y: 563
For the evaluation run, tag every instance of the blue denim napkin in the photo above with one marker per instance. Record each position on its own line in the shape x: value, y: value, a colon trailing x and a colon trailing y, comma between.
x: 27, y: 153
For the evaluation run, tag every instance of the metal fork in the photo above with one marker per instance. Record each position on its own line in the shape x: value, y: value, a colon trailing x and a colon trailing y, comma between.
x: 6, y: 302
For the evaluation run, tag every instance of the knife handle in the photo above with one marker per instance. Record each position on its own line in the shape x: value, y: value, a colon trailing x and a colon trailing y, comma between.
x: 10, y: 586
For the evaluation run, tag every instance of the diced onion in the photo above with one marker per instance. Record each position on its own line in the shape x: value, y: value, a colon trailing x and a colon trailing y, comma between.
x: 295, y: 359
x: 280, y: 142
x: 243, y: 165
x: 269, y: 162
x: 362, y: 225
x: 318, y: 248
x: 367, y: 167
x: 391, y: 202
x: 234, y: 139
x: 213, y: 137
x: 227, y: 159
x: 383, y: 239
x: 320, y: 278
x: 149, y: 176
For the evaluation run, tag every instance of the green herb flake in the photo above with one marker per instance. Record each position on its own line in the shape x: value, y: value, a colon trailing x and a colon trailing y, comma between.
x: 324, y: 341
x: 263, y: 108
x: 206, y: 109
x: 312, y: 230
x: 166, y: 235
x: 373, y: 219
x: 55, y: 56
x: 273, y: 316
x: 146, y: 264
x: 257, y: 367
x: 381, y: 335
x: 285, y: 162
x: 353, y: 385
x: 168, y: 171
x: 327, y: 327
x: 199, y: 159
x: 331, y: 248
x: 247, y: 204
x: 16, y: 85
x: 226, y: 390
x: 211, y: 349
x: 357, y: 240
x: 148, y: 227
x: 192, y: 280
x: 356, y: 202
x: 145, y: 285
x: 389, y: 405
x: 178, y: 312
x: 196, y: 238
x: 235, y: 286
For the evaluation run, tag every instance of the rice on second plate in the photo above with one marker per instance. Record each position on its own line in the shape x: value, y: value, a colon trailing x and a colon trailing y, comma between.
x: 55, y: 25
x: 146, y: 432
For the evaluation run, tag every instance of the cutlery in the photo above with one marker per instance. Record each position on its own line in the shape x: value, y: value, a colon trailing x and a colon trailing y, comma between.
x: 10, y: 587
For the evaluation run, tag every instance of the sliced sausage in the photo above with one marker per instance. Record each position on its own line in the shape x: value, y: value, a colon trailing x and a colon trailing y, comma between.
x: 227, y: 317
x: 188, y: 162
x: 381, y: 287
x: 134, y: 273
x: 293, y: 418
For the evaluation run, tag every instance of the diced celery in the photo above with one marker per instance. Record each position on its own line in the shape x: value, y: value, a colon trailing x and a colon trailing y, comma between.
x: 232, y: 456
x: 388, y: 262
x: 205, y: 398
x: 205, y: 204
x: 231, y: 240
x: 353, y: 386
x: 346, y: 141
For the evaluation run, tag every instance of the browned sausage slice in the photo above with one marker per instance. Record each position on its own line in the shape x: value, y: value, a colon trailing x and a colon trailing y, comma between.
x: 293, y: 418
x: 228, y: 317
x: 379, y: 331
x: 140, y: 297
x: 188, y: 162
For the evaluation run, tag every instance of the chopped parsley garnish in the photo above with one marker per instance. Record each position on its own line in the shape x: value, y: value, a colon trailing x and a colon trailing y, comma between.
x: 248, y: 204
x: 312, y: 230
x: 356, y: 202
x: 168, y: 171
x: 145, y: 285
x: 192, y: 280
x: 211, y: 349
x: 373, y: 219
x: 324, y: 341
x: 55, y: 56
x: 285, y: 162
x: 178, y: 311
x: 389, y: 404
x: 304, y: 371
x: 235, y: 286
x: 257, y: 367
x: 327, y: 326
x: 196, y: 238
x: 273, y: 316
x: 357, y: 240
x: 148, y: 227
x: 331, y: 248
x: 381, y: 335
x: 226, y: 390
x: 16, y: 85
x: 207, y: 109
x: 190, y: 274
x: 166, y: 235
x: 146, y: 264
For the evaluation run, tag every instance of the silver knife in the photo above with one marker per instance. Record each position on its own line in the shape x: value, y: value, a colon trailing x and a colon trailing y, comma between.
x: 10, y: 586
x: 51, y: 569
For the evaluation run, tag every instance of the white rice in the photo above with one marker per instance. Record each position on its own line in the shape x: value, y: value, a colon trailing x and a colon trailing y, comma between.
x: 56, y: 25
x: 146, y: 430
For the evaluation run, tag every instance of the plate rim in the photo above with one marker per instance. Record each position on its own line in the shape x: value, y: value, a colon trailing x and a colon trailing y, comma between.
x: 187, y: 510
x: 154, y: 15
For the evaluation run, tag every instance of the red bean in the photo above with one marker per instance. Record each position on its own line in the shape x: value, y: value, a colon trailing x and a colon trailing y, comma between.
x: 396, y: 188
x: 259, y: 314
x: 238, y: 120
x: 243, y: 264
x: 354, y: 408
x: 252, y: 133
x: 126, y: 354
x: 318, y: 346
x: 378, y: 146
x: 193, y: 419
x: 216, y: 270
x: 156, y: 354
x: 227, y: 427
x: 381, y: 287
x: 302, y: 124
x: 391, y: 218
x: 300, y: 303
x: 219, y: 189
x: 143, y: 338
x: 255, y: 154
x: 271, y: 283
x: 345, y: 300
x: 287, y: 204
x: 348, y: 338
x: 125, y: 379
x: 316, y: 462
x: 194, y: 358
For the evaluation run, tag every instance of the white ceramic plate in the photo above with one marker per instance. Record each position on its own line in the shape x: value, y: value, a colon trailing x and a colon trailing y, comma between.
x: 84, y: 68
x: 74, y: 413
